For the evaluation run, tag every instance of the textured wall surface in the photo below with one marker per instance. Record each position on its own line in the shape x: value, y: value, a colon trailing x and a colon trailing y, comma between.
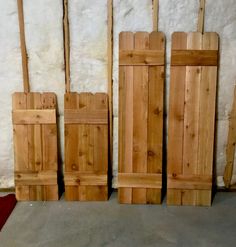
x: 88, y: 24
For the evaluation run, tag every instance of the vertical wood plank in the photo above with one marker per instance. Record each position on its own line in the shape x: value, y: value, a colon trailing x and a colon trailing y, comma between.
x: 230, y: 148
x: 207, y: 117
x: 21, y: 152
x: 83, y: 142
x: 71, y: 145
x: 34, y: 142
x: 49, y: 144
x: 155, y: 116
x: 110, y: 75
x: 126, y: 111
x: 176, y: 118
x: 191, y: 116
x: 140, y: 107
x: 100, y: 147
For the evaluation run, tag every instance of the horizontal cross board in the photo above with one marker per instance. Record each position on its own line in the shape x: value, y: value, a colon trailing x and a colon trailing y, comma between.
x: 86, y: 117
x: 45, y: 116
x: 82, y: 178
x: 140, y: 180
x: 36, y: 178
x: 142, y: 57
x: 194, y: 57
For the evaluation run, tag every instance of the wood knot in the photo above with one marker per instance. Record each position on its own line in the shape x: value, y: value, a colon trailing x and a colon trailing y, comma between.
x: 157, y: 111
x: 174, y: 175
x: 151, y: 153
x: 78, y: 181
x: 74, y: 167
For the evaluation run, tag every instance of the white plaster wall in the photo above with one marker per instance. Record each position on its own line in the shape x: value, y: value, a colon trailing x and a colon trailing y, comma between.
x: 88, y: 24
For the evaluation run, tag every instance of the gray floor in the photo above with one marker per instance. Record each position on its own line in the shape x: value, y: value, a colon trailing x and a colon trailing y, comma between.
x: 63, y: 224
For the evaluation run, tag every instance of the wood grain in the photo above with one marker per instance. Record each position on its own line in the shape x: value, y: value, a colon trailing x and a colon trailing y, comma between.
x: 35, y: 148
x: 230, y: 149
x: 195, y: 130
x: 86, y: 147
x: 140, y: 117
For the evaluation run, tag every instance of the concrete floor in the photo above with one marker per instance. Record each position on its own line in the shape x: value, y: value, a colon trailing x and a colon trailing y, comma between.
x: 63, y: 224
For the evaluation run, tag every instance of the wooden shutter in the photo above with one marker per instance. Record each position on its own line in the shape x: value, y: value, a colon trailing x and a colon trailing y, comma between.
x: 86, y: 146
x: 35, y: 146
x: 141, y: 86
x: 194, y: 60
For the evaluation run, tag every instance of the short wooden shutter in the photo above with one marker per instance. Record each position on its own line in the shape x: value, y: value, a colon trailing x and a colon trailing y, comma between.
x: 35, y: 146
x: 86, y: 146
x: 141, y: 86
x: 194, y: 60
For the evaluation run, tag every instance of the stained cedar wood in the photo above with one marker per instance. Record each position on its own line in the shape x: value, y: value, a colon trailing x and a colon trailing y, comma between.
x: 230, y: 148
x: 100, y: 152
x: 71, y: 144
x: 20, y: 135
x: 34, y: 116
x: 83, y: 103
x: 140, y: 180
x: 23, y: 46
x: 36, y: 154
x: 90, y: 154
x: 191, y: 116
x: 201, y: 15
x: 141, y: 57
x: 126, y: 74
x: 49, y: 137
x: 155, y: 116
x: 35, y: 158
x: 207, y: 118
x: 110, y: 75
x: 194, y: 57
x: 140, y: 114
x: 176, y: 118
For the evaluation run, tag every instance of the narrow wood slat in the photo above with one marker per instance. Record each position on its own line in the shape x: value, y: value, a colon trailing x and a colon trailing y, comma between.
x: 201, y: 14
x: 85, y: 179
x: 71, y: 145
x: 191, y: 116
x: 140, y: 115
x: 140, y: 180
x: 36, y: 178
x: 110, y: 75
x: 21, y: 151
x: 230, y: 149
x: 141, y: 57
x: 190, y: 182
x: 66, y: 31
x: 23, y: 46
x: 155, y: 14
x: 34, y: 116
x: 207, y: 108
x: 176, y: 118
x: 126, y: 81
x: 155, y: 116
x: 86, y: 117
x: 194, y: 58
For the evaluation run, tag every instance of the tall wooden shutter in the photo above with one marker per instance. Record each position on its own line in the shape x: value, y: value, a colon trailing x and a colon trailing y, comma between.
x: 194, y: 60
x: 141, y: 86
